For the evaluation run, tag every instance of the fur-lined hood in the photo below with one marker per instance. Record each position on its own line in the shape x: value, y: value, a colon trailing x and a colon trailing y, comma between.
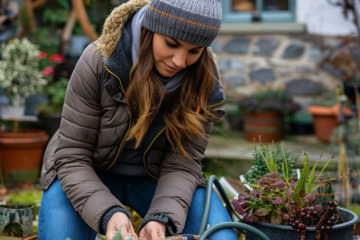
x: 116, y: 21
x: 114, y: 24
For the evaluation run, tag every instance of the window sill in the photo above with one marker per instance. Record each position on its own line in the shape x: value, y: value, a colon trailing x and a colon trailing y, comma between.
x: 262, y: 28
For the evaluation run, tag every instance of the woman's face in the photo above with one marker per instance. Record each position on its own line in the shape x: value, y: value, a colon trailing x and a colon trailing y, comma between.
x: 172, y: 55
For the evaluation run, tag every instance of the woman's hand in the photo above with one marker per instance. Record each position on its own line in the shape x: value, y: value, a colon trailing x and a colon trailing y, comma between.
x: 120, y: 221
x: 153, y: 231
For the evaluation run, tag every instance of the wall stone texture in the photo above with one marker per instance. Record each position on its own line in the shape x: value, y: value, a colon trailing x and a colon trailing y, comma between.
x: 289, y: 62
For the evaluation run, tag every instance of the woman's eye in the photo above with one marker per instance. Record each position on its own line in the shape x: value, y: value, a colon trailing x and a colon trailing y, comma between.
x: 171, y: 45
x: 194, y: 52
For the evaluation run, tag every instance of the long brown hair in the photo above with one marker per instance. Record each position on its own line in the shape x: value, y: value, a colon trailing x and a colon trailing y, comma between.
x: 186, y: 109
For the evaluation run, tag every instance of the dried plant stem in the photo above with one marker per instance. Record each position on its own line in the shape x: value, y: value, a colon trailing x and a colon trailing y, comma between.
x: 327, y: 215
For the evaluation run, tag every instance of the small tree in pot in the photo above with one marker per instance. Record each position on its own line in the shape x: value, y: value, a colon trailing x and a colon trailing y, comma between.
x: 264, y: 112
x: 20, y: 149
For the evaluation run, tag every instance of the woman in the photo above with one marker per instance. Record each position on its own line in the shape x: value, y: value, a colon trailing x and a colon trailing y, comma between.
x: 136, y: 121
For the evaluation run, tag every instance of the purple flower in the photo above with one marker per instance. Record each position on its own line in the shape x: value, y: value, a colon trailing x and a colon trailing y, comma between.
x: 255, y: 193
x: 318, y: 208
x: 243, y: 197
x: 288, y: 192
x: 278, y: 201
x: 309, y: 198
x: 273, y: 175
x: 279, y: 184
x: 267, y: 190
x: 286, y: 217
x: 263, y: 181
x: 293, y: 183
x: 320, y: 178
x: 237, y: 206
x: 249, y: 218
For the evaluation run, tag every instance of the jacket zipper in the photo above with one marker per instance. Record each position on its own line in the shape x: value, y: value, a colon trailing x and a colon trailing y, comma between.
x: 148, y: 150
x: 122, y: 142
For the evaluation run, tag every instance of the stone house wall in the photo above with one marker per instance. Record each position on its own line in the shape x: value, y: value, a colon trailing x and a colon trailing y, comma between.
x: 291, y: 62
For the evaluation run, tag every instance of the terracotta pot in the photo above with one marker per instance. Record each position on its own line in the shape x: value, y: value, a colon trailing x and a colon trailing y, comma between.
x: 325, y: 120
x: 21, y: 153
x: 267, y: 125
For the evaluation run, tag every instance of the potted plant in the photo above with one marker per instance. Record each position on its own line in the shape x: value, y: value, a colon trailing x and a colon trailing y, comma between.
x: 264, y: 113
x: 259, y: 167
x: 284, y: 207
x: 301, y: 123
x: 325, y: 111
x: 21, y: 150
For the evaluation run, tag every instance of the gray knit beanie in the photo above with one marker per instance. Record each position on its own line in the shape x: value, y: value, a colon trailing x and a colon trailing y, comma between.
x: 193, y: 21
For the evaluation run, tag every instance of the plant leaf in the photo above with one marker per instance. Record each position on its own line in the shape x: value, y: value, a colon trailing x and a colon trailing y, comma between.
x: 310, y: 183
x: 301, y: 184
x: 285, y: 160
x: 262, y: 212
x: 324, y: 168
x: 281, y: 213
x: 277, y: 220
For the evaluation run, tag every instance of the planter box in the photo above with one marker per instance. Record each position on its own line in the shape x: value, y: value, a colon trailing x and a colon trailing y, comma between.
x: 343, y: 231
x: 267, y: 125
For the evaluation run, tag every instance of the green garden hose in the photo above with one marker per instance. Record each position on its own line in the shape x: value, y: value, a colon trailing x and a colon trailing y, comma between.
x: 241, y: 226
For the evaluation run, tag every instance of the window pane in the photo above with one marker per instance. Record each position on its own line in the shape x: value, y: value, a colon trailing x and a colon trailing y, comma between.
x: 243, y: 5
x: 275, y: 5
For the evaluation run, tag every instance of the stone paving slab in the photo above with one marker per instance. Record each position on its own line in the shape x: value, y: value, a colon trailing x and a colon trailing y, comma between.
x: 230, y: 147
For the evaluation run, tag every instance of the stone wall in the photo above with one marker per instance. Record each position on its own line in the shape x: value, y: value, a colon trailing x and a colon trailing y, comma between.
x: 248, y: 63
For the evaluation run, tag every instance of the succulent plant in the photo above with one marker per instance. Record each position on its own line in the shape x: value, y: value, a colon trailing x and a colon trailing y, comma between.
x: 280, y: 199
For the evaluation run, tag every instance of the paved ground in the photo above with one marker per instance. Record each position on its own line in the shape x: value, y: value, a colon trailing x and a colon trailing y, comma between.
x: 232, y: 154
x: 221, y: 146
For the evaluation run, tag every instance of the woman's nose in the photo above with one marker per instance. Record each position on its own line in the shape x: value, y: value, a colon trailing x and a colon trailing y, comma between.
x: 179, y: 59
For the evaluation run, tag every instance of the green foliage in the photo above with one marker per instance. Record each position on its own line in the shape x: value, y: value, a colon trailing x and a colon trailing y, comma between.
x: 56, y: 92
x: 260, y: 168
x: 57, y: 16
x: 270, y: 100
x: 30, y: 197
x: 19, y: 73
x: 45, y: 40
x: 116, y: 237
x: 326, y: 100
x: 13, y: 230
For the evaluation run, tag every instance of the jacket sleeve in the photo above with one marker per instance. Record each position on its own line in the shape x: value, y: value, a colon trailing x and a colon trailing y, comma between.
x: 77, y: 139
x: 179, y: 178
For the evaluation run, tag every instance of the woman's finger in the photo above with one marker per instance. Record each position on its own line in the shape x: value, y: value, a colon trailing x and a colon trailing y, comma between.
x: 124, y: 232
x: 158, y: 235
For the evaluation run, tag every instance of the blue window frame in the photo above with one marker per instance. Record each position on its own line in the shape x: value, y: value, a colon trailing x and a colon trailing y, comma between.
x: 258, y: 10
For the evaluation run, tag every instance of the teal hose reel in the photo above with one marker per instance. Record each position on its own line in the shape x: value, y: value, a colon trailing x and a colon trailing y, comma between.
x: 240, y: 226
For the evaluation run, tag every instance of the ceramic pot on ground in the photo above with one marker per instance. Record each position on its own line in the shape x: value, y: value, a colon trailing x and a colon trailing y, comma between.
x: 21, y: 153
x: 20, y: 214
x: 266, y: 125
x: 325, y: 120
x: 343, y: 231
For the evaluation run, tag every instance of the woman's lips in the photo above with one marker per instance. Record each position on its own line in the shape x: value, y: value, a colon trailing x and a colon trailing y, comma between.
x: 170, y: 69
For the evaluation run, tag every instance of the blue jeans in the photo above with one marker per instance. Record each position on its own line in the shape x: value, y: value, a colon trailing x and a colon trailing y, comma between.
x: 58, y: 219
